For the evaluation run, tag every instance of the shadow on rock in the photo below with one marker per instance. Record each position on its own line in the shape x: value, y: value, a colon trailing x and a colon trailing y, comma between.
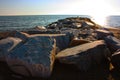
x: 115, y: 74
x: 65, y: 72
x: 71, y: 72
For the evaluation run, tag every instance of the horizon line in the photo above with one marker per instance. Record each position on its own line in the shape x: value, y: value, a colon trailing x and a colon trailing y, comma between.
x: 54, y: 14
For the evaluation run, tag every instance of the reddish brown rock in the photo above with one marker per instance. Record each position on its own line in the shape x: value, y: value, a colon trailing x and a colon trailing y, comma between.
x: 76, y: 42
x: 85, y: 56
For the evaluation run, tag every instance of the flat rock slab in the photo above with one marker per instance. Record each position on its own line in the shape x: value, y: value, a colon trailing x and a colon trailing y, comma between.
x: 76, y: 42
x: 34, y: 58
x: 85, y: 56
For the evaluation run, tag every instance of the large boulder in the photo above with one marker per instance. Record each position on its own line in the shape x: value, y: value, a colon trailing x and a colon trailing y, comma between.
x: 113, y: 43
x: 34, y: 58
x: 85, y: 56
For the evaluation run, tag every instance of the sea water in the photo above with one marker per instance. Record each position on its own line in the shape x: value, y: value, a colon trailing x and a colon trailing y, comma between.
x: 18, y: 22
x: 113, y: 21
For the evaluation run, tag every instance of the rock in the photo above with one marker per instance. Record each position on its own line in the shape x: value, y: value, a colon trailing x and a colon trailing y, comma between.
x: 76, y: 42
x: 73, y: 32
x: 52, y: 26
x: 35, y: 58
x: 115, y: 31
x: 17, y: 34
x: 85, y: 56
x: 86, y: 34
x: 73, y: 22
x: 113, y: 43
x: 62, y: 40
x: 48, y: 31
x: 115, y: 59
x: 40, y: 28
x: 22, y: 35
x: 101, y: 34
x: 8, y: 44
x: 76, y: 25
x: 5, y: 34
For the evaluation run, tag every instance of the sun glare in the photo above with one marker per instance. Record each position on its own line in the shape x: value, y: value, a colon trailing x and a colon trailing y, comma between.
x: 99, y: 19
x: 97, y: 9
x: 100, y: 10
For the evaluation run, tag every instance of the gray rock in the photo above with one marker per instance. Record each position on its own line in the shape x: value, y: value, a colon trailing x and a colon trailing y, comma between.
x: 113, y: 43
x: 40, y: 28
x: 72, y: 22
x: 34, y: 58
x: 73, y: 32
x: 102, y: 33
x: 48, y: 31
x: 85, y: 56
x: 62, y: 40
x: 8, y: 44
x: 21, y: 35
x: 17, y: 34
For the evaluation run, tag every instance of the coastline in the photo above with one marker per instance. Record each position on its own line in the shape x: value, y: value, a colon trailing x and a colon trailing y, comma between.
x: 74, y: 29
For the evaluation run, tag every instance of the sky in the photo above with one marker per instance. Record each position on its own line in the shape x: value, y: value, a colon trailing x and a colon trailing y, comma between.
x: 97, y: 9
x: 58, y: 7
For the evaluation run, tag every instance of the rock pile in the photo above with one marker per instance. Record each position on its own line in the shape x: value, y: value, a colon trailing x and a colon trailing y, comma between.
x: 76, y: 41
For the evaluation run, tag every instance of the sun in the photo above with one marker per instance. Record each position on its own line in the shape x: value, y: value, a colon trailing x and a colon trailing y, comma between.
x: 99, y: 19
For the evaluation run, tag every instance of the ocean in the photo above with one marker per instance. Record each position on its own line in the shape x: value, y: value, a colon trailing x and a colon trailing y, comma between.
x: 19, y: 22
x: 113, y: 21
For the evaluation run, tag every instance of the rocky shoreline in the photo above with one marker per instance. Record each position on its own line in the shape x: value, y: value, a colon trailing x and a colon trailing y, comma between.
x: 51, y: 52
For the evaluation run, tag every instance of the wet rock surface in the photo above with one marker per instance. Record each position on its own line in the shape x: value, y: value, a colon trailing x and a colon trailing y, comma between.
x: 83, y: 50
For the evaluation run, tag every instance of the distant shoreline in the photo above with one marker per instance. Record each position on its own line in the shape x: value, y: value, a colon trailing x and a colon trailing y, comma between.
x: 55, y: 14
x: 30, y: 21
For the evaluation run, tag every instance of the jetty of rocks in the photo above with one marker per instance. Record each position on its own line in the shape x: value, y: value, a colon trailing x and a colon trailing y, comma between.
x: 76, y: 41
